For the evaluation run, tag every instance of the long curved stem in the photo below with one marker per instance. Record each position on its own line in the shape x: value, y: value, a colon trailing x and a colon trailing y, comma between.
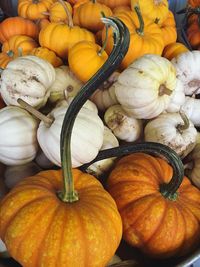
x: 121, y: 44
x: 70, y: 20
x: 139, y: 30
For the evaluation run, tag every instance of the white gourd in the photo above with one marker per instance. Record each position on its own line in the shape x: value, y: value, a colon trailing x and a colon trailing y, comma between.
x: 87, y: 134
x: 28, y: 78
x: 170, y: 129
x: 144, y: 88
x: 191, y: 108
x: 100, y: 167
x: 18, y: 136
x: 177, y: 98
x: 65, y: 84
x: 42, y: 161
x: 123, y: 126
x: 187, y: 66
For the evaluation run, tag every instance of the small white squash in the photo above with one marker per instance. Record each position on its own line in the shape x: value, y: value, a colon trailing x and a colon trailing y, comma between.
x: 177, y: 98
x: 42, y: 161
x: 144, y: 89
x: 191, y: 108
x: 28, y: 78
x: 87, y: 134
x: 187, y: 66
x: 100, y: 167
x: 123, y: 126
x: 65, y: 84
x: 173, y: 130
x: 18, y: 136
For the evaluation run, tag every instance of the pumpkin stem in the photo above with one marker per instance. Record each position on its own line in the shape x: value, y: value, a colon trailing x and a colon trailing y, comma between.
x: 163, y: 90
x: 140, y: 30
x: 121, y: 43
x: 35, y: 1
x: 70, y: 20
x: 20, y: 51
x: 186, y: 123
x: 94, y: 1
x: 47, y: 121
x: 105, y: 40
x: 10, y: 53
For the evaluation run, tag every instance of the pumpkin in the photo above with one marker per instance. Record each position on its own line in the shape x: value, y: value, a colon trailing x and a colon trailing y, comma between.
x: 29, y: 78
x: 114, y: 3
x: 21, y: 26
x: 174, y: 130
x: 18, y: 136
x: 9, y: 7
x: 88, y: 54
x: 168, y: 29
x: 187, y: 68
x: 173, y: 50
x: 33, y: 9
x: 156, y: 10
x: 72, y: 216
x: 191, y: 107
x: 22, y: 43
x: 152, y: 77
x: 48, y: 55
x: 193, y: 32
x: 5, y: 58
x: 57, y: 13
x: 193, y: 3
x: 59, y: 37
x: 42, y: 161
x: 145, y: 36
x: 42, y: 23
x: 157, y: 218
x: 88, y: 15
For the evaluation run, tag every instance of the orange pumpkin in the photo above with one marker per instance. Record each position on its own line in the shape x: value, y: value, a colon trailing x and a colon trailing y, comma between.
x: 48, y: 55
x: 174, y: 49
x: 86, y: 54
x: 145, y: 36
x: 88, y: 15
x: 34, y: 9
x: 57, y: 13
x: 156, y: 218
x: 17, y: 25
x: 193, y: 34
x: 78, y: 3
x: 168, y: 29
x: 42, y: 23
x: 194, y: 3
x: 5, y: 58
x: 114, y: 3
x: 22, y: 42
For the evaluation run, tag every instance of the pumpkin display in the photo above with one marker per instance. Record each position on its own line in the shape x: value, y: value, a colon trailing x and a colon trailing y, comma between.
x: 88, y: 54
x: 57, y: 12
x: 29, y: 78
x: 9, y: 7
x: 18, y: 136
x: 160, y: 213
x: 33, y: 9
x: 168, y: 29
x: 152, y: 77
x: 22, y: 26
x: 173, y: 50
x: 22, y: 44
x: 46, y: 54
x: 67, y: 201
x: 60, y: 37
x: 88, y: 15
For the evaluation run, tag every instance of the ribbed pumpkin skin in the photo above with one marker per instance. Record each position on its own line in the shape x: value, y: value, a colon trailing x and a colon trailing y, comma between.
x: 17, y: 25
x: 156, y: 225
x: 168, y: 29
x: 174, y: 49
x: 5, y: 59
x: 114, y: 3
x: 41, y: 231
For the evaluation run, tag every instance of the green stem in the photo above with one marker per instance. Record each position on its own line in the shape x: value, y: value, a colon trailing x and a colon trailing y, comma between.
x: 10, y: 53
x: 140, y: 30
x: 106, y: 38
x: 167, y: 190
x: 121, y: 44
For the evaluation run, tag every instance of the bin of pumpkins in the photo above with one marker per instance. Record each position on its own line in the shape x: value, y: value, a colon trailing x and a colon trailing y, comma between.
x: 99, y: 136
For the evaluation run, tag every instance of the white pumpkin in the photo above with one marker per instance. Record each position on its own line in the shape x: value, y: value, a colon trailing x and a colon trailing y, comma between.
x: 14, y: 174
x: 65, y: 84
x: 123, y: 126
x: 170, y: 129
x: 18, y: 136
x: 191, y: 108
x: 100, y: 167
x: 177, y: 98
x: 187, y: 66
x: 144, y: 89
x: 42, y: 161
x: 28, y: 78
x: 87, y: 134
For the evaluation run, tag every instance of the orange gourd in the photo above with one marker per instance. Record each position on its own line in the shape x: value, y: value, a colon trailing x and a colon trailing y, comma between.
x: 193, y: 34
x: 19, y: 42
x: 48, y: 55
x: 168, y: 29
x: 174, y: 49
x: 114, y: 3
x: 79, y: 3
x: 86, y: 54
x: 34, y: 9
x: 157, y: 218
x: 60, y: 37
x: 42, y: 23
x: 57, y: 13
x: 194, y: 3
x: 5, y: 58
x: 17, y: 25
x: 88, y: 15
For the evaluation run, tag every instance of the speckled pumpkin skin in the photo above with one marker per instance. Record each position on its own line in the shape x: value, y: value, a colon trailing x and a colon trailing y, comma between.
x: 158, y: 226
x: 40, y: 230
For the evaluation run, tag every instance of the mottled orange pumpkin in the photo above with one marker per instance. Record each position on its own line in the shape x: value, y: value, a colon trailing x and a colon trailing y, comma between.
x: 161, y: 226
x: 172, y: 50
x: 57, y: 12
x: 41, y: 230
x: 114, y: 3
x: 193, y: 34
x: 5, y: 58
x: 168, y: 29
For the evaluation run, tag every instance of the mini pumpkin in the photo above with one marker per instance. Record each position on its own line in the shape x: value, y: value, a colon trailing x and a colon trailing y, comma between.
x: 57, y: 12
x: 5, y: 58
x: 115, y: 3
x: 168, y: 29
x: 173, y: 50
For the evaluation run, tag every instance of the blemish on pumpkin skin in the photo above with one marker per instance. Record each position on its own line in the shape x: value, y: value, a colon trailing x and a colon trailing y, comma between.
x: 140, y: 71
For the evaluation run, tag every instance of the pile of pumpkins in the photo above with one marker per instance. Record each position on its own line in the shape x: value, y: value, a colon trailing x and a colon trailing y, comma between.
x: 50, y: 49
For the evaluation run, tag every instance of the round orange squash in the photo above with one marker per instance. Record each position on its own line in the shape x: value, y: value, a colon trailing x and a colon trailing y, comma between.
x: 5, y: 58
x: 57, y: 13
x: 193, y: 34
x: 157, y: 218
x: 168, y: 29
x: 114, y: 3
x: 174, y: 49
